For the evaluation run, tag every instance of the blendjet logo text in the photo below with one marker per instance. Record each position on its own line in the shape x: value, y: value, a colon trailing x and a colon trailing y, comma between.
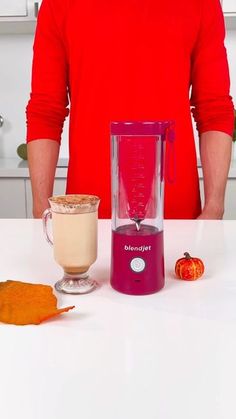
x: 137, y: 248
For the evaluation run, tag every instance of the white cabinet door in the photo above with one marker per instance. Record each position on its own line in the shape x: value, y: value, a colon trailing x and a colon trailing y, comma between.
x: 18, y: 16
x: 230, y: 200
x: 12, y: 8
x: 59, y: 189
x: 12, y: 192
x: 229, y: 6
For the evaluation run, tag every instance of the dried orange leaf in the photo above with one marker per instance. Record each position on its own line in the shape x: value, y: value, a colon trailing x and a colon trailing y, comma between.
x: 23, y: 303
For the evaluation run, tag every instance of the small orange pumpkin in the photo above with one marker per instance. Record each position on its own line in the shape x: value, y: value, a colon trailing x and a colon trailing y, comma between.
x: 189, y: 268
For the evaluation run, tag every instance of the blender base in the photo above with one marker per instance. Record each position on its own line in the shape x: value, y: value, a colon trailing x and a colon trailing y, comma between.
x: 137, y: 266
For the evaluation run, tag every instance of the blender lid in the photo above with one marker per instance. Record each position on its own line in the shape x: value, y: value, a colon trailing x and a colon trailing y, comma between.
x: 140, y: 127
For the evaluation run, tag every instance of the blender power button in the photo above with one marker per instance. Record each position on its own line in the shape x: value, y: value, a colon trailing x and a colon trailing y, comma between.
x: 137, y: 264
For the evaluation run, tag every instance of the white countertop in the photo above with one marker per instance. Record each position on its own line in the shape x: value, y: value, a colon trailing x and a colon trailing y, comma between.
x: 170, y: 355
x: 17, y: 168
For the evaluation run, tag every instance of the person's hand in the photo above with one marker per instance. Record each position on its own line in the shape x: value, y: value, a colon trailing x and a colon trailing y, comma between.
x: 212, y: 212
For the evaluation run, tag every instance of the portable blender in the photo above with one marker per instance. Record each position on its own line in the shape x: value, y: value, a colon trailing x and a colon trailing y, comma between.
x: 138, y: 156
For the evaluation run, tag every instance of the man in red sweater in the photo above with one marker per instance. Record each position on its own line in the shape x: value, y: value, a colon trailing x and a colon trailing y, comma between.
x: 130, y: 60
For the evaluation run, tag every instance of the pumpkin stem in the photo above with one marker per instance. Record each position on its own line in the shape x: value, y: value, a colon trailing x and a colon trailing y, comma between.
x: 187, y: 255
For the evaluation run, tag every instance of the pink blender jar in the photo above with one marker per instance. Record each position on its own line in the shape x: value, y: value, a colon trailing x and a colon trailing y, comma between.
x: 138, y: 155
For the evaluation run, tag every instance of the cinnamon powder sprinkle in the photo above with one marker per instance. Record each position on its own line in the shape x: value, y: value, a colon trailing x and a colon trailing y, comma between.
x: 74, y: 199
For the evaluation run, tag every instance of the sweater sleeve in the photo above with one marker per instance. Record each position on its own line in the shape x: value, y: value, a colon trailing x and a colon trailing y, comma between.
x: 47, y: 107
x: 211, y: 103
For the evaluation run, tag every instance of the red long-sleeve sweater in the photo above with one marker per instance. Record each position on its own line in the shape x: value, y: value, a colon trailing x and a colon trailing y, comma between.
x: 129, y: 60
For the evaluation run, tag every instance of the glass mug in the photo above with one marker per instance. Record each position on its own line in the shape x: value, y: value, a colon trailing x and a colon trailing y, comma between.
x: 74, y: 230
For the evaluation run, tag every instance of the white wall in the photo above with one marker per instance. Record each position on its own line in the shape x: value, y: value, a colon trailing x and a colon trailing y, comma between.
x: 15, y: 75
x: 15, y: 69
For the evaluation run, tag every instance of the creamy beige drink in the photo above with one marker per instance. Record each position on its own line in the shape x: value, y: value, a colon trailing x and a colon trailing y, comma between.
x: 75, y: 241
x: 74, y: 228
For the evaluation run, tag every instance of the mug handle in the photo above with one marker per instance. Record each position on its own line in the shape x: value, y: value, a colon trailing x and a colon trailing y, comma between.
x: 46, y: 216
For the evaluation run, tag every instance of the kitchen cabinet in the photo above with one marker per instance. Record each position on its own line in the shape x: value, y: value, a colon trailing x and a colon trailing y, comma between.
x: 15, y: 190
x: 229, y: 9
x: 230, y: 201
x: 17, y: 10
x: 13, y: 8
x: 229, y: 6
x: 18, y: 16
x: 16, y: 198
x: 13, y: 204
x: 59, y: 189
